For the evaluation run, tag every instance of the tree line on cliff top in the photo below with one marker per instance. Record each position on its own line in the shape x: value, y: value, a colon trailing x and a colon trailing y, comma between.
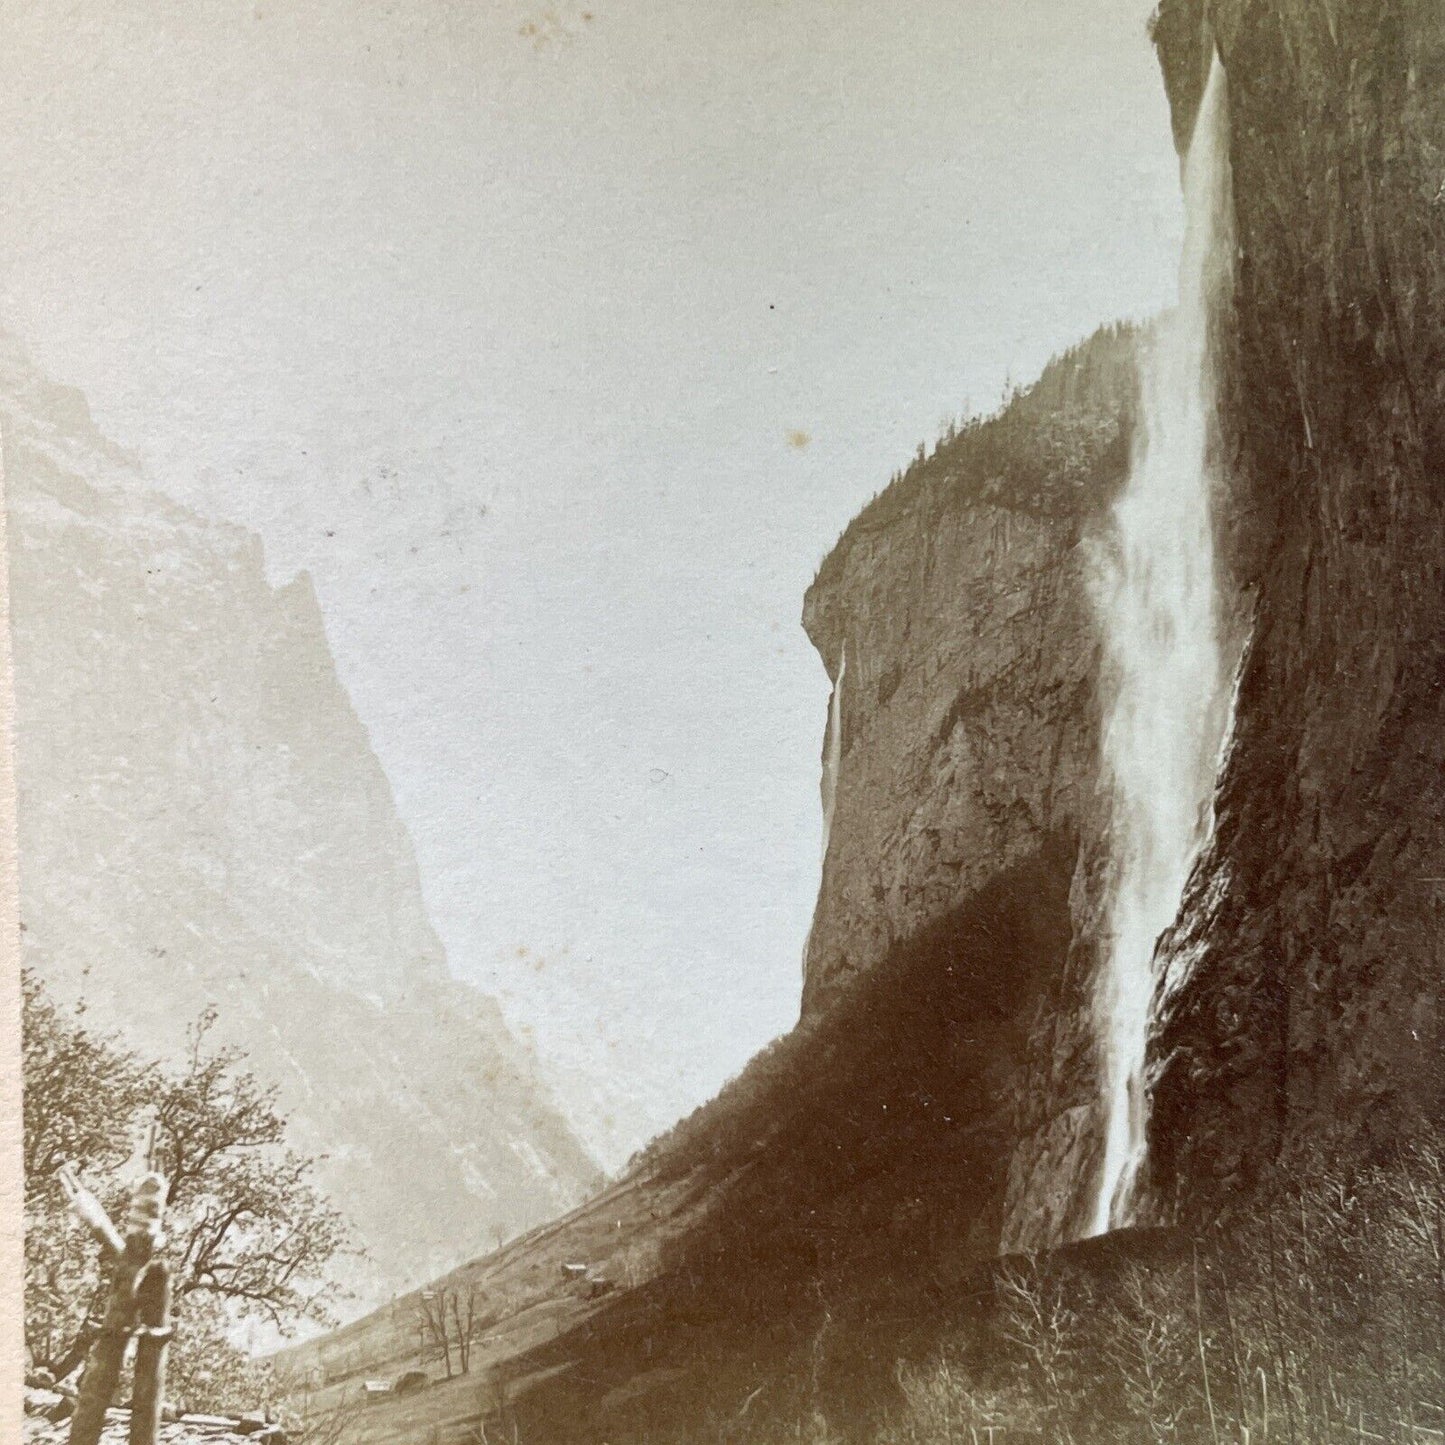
x: 1060, y: 445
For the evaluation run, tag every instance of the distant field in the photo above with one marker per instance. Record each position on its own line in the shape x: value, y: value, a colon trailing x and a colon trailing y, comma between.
x: 525, y: 1300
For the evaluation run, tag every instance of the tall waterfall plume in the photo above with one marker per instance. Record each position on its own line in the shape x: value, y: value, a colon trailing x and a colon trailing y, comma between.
x: 1157, y: 600
x: 833, y: 750
x: 832, y: 759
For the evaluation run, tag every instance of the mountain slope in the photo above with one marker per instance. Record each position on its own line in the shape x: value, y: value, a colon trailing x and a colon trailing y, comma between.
x: 202, y: 820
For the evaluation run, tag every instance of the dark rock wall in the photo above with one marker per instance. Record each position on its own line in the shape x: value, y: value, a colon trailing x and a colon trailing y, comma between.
x: 1302, y: 1017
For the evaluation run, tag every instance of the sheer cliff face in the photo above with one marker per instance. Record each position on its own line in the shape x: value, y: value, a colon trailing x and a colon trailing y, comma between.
x: 1303, y: 1013
x: 202, y: 820
x: 969, y: 719
x: 1301, y: 1008
x: 968, y: 663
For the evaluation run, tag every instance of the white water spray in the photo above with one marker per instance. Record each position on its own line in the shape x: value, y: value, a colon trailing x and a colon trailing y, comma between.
x: 832, y: 760
x: 833, y: 750
x: 1157, y: 600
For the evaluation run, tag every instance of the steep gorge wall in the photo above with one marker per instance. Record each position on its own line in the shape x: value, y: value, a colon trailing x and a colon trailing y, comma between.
x: 970, y: 717
x: 1301, y: 1016
x: 1302, y: 1020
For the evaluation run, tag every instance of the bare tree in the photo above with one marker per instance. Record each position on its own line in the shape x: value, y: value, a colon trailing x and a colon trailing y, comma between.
x: 1144, y: 1342
x: 1040, y: 1305
x: 449, y: 1318
x: 249, y: 1235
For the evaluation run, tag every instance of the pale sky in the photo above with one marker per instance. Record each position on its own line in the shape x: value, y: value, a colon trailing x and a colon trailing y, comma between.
x: 498, y: 318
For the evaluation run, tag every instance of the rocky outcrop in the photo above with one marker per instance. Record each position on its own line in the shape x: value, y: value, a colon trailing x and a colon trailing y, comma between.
x: 1302, y: 1019
x: 969, y: 725
x: 966, y: 714
x: 202, y: 820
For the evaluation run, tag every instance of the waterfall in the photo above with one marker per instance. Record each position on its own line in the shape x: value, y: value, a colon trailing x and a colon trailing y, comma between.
x: 833, y: 750
x: 832, y: 758
x: 1156, y: 598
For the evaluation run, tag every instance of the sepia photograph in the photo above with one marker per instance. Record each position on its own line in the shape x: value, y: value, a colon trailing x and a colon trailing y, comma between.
x: 727, y: 722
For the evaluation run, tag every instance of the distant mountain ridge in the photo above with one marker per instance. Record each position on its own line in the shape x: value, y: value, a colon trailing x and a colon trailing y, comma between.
x: 202, y: 819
